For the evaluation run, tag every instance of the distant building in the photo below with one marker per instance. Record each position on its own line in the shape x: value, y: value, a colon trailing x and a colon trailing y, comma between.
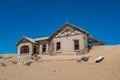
x: 69, y: 39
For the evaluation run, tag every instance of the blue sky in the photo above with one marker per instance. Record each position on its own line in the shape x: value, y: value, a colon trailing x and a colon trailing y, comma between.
x: 41, y: 18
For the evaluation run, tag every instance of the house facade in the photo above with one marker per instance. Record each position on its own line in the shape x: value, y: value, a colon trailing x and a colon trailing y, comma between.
x: 69, y: 39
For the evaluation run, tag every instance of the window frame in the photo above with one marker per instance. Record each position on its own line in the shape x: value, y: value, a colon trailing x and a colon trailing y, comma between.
x: 58, y: 46
x: 24, y: 49
x: 44, y: 48
x: 76, y: 44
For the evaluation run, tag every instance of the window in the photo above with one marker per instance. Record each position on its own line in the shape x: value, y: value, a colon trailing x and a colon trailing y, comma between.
x: 44, y: 48
x: 24, y: 49
x: 58, y: 46
x: 76, y: 44
x: 35, y: 49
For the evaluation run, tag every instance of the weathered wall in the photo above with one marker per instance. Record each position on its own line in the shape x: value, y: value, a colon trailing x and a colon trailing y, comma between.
x: 25, y: 44
x: 67, y: 44
x: 40, y: 47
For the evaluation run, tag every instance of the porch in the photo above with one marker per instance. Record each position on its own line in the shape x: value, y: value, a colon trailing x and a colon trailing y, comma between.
x: 28, y: 49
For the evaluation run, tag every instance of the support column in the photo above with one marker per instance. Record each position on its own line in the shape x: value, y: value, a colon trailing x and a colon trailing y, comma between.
x: 47, y: 48
x: 40, y: 49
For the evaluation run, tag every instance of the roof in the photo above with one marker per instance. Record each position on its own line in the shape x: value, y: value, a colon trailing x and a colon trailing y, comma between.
x: 58, y: 31
x: 32, y: 40
x: 71, y: 25
x: 43, y: 38
x: 98, y: 41
x: 76, y: 27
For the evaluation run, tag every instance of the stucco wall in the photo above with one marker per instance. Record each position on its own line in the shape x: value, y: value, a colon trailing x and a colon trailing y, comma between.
x: 67, y: 44
x: 25, y: 44
x: 40, y: 47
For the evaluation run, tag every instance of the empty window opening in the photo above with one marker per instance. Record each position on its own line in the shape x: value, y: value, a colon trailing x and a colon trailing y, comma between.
x: 25, y: 49
x: 76, y: 44
x: 44, y: 48
x: 58, y: 46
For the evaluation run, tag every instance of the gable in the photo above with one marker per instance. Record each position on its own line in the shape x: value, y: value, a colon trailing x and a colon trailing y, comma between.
x: 68, y: 30
x: 65, y: 31
x: 25, y: 40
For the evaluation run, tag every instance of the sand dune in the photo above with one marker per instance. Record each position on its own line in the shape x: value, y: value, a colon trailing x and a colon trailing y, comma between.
x: 65, y: 67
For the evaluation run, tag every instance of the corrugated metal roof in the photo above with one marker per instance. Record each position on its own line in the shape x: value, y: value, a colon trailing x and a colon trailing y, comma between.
x: 30, y: 39
x: 38, y: 39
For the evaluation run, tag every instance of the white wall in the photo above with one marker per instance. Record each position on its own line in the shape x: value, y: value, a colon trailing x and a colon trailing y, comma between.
x: 25, y: 44
x: 67, y: 44
x: 40, y: 46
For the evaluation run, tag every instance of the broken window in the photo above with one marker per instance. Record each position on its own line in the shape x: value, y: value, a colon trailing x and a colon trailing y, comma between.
x: 76, y: 44
x: 58, y: 46
x: 24, y: 49
x: 44, y: 48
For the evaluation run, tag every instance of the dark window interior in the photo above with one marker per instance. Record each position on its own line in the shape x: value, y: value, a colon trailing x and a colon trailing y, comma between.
x: 35, y: 49
x: 44, y: 48
x: 58, y: 46
x: 76, y: 44
x: 24, y: 49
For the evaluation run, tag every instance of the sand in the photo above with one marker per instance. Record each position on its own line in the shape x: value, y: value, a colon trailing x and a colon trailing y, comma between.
x: 65, y: 67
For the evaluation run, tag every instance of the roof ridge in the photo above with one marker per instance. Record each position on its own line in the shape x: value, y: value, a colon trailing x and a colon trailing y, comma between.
x: 30, y: 39
x: 41, y: 38
x: 76, y: 26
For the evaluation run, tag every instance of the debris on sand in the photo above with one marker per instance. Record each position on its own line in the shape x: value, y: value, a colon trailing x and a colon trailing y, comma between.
x: 28, y: 63
x: 13, y: 62
x: 83, y: 59
x: 3, y: 65
x: 36, y: 58
x: 99, y: 59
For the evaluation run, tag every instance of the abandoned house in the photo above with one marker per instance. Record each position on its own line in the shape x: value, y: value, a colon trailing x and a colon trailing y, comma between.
x: 69, y: 39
